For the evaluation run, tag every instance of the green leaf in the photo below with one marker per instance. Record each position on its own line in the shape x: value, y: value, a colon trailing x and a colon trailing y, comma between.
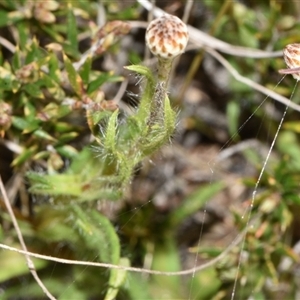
x: 104, y: 77
x: 144, y: 109
x: 293, y: 150
x: 141, y: 70
x: 63, y: 127
x: 72, y: 33
x: 44, y: 135
x: 67, y: 151
x: 195, y: 202
x: 13, y: 264
x: 166, y: 258
x: 34, y: 52
x: 70, y: 51
x: 34, y: 90
x: 85, y: 70
x: 52, y: 111
x: 27, y: 125
x: 3, y: 18
x: 82, y: 181
x: 110, y: 135
x: 8, y: 81
x: 29, y: 109
x: 51, y: 226
x: 137, y: 287
x: 64, y: 138
x: 8, y: 18
x: 170, y: 118
x: 292, y: 125
x: 117, y: 279
x: 16, y: 60
x: 57, y: 184
x: 23, y: 31
x: 74, y: 78
x: 54, y: 71
x: 233, y: 115
x: 98, y: 234
x: 205, y: 284
x: 24, y: 156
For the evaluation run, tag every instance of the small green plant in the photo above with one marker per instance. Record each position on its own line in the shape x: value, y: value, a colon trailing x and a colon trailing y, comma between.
x: 78, y: 152
x: 121, y: 145
x: 101, y: 170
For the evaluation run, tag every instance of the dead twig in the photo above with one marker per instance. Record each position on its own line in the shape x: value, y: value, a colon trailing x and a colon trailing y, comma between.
x: 251, y: 83
x: 193, y: 270
x: 202, y: 39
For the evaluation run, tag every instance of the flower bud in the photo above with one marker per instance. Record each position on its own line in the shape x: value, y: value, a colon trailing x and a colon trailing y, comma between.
x: 167, y: 36
x: 291, y: 55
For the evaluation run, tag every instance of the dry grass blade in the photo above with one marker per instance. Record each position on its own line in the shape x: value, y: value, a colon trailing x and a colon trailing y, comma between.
x: 30, y: 263
x: 7, y: 44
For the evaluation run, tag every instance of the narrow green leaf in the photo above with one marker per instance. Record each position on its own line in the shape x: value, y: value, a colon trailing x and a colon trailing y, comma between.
x: 233, y: 115
x: 3, y: 18
x: 27, y: 125
x: 104, y: 77
x: 98, y: 234
x: 169, y: 118
x: 34, y: 90
x: 110, y: 135
x: 13, y: 264
x: 85, y: 70
x: 54, y: 111
x: 44, y: 135
x: 41, y: 155
x: 144, y: 109
x: 111, y: 244
x: 205, y: 284
x: 70, y: 51
x: 24, y: 156
x: 137, y: 287
x: 126, y: 164
x: 166, y: 258
x: 54, y: 71
x: 9, y: 18
x: 29, y: 110
x: 16, y: 60
x: 50, y: 224
x: 8, y: 80
x: 63, y: 127
x: 35, y: 52
x: 9, y: 5
x: 58, y: 184
x: 74, y: 78
x: 64, y: 138
x: 117, y: 279
x: 23, y: 32
x: 72, y: 33
x: 53, y: 31
x: 195, y: 202
x: 67, y: 151
x: 140, y: 70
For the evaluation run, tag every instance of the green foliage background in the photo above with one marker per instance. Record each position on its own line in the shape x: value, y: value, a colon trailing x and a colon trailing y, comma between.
x: 73, y: 154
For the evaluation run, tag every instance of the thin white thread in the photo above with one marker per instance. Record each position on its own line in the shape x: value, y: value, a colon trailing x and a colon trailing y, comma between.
x: 255, y: 191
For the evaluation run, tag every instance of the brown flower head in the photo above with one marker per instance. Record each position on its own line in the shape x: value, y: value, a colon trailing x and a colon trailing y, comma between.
x: 167, y: 36
x: 291, y: 55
